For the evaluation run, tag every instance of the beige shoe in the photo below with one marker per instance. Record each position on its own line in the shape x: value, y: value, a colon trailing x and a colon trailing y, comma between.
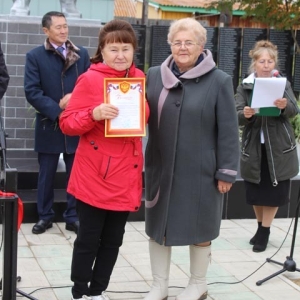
x: 197, y: 287
x: 160, y: 258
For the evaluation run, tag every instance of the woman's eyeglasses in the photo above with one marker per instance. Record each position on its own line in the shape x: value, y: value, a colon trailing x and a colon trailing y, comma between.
x: 186, y: 44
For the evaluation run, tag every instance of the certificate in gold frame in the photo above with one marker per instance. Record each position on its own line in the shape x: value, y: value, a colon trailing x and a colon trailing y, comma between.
x: 128, y: 94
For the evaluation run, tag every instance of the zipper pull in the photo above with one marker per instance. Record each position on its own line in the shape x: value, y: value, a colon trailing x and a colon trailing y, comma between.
x: 275, y: 182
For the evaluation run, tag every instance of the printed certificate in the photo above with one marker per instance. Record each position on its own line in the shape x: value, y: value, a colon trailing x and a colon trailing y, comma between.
x: 128, y: 94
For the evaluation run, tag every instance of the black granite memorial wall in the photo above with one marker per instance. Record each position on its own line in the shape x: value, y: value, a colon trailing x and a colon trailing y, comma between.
x: 284, y: 41
x: 229, y: 49
x: 160, y: 49
x: 250, y: 37
x: 212, y: 41
x: 296, y: 81
x: 139, y: 57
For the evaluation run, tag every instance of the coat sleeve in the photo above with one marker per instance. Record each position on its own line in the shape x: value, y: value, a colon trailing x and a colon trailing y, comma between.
x: 291, y: 109
x: 34, y: 92
x: 241, y: 100
x: 4, y: 77
x: 228, y: 133
x: 77, y: 119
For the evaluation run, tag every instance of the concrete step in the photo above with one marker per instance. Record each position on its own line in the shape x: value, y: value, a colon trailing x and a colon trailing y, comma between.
x: 22, y: 178
x: 28, y: 197
x: 26, y: 172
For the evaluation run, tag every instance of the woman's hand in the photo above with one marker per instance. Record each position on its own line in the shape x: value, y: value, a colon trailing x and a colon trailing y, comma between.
x: 224, y: 187
x: 105, y: 112
x: 248, y: 112
x: 281, y: 103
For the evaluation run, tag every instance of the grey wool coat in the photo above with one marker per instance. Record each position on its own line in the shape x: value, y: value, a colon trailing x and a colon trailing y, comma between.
x: 193, y: 142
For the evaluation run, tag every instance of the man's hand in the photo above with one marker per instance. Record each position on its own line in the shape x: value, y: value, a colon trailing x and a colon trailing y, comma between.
x: 64, y: 101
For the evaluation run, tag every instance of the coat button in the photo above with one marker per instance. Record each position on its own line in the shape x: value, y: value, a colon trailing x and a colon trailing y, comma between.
x: 177, y: 103
x: 96, y: 147
x: 135, y: 166
x: 92, y: 142
x: 136, y: 208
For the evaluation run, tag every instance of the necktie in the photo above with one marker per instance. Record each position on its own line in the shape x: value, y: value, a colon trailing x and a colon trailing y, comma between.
x: 61, y: 50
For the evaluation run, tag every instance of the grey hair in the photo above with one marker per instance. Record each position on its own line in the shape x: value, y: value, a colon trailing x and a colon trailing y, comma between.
x: 187, y: 24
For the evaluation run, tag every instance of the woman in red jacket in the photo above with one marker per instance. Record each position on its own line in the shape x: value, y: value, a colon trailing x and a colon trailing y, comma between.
x: 106, y: 177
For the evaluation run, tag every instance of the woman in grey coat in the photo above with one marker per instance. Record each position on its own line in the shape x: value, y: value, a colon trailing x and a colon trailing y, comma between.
x: 191, y: 157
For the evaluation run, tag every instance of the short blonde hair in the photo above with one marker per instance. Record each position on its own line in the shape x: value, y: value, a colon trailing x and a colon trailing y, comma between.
x: 258, y: 49
x: 188, y: 24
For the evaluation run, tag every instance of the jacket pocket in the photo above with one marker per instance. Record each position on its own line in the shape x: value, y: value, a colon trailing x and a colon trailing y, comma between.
x: 288, y: 137
x: 246, y: 141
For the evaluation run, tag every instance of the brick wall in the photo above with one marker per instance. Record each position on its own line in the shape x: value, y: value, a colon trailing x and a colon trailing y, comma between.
x: 19, y: 35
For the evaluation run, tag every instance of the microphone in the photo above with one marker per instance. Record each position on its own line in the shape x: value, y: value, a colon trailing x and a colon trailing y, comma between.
x: 275, y: 73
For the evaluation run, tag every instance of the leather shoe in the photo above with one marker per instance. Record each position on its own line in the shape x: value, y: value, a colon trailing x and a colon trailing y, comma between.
x: 41, y: 226
x: 73, y: 226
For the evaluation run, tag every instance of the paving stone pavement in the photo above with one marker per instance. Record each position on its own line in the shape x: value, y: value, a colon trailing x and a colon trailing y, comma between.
x: 44, y: 264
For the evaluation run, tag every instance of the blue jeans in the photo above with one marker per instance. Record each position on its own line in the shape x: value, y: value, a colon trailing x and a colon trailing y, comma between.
x: 96, y: 248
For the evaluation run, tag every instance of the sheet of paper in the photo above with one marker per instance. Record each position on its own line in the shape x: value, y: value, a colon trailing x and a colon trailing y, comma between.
x: 129, y: 109
x: 128, y: 94
x: 266, y: 91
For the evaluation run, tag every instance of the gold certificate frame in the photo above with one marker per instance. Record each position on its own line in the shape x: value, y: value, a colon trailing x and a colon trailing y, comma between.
x: 128, y: 94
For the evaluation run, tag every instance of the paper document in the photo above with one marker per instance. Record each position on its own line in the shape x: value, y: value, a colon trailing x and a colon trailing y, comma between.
x: 128, y: 94
x: 266, y: 91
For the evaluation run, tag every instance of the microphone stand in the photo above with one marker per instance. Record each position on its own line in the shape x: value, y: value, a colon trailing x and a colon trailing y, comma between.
x: 289, y: 265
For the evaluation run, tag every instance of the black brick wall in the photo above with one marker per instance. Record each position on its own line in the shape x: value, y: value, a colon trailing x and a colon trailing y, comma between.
x: 19, y: 35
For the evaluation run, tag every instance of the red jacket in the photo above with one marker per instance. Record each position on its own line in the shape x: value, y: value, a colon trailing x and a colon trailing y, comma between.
x: 107, y: 172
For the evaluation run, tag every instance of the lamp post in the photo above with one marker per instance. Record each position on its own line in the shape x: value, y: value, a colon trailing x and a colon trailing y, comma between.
x: 145, y: 12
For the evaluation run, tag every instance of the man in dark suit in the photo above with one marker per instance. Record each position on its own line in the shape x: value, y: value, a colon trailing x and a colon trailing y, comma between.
x: 51, y: 71
x: 4, y: 77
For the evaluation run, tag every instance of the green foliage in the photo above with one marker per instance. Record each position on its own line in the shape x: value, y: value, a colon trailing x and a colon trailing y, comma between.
x: 296, y: 124
x: 279, y: 14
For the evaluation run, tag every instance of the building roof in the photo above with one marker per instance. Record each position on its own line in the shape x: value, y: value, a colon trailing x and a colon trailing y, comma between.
x: 200, y: 6
x: 182, y: 3
x: 125, y: 8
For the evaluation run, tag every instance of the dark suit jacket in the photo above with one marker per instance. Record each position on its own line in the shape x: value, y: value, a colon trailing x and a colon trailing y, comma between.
x: 48, y: 77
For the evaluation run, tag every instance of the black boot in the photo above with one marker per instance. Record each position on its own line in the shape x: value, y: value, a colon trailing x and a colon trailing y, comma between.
x: 262, y: 239
x: 253, y: 240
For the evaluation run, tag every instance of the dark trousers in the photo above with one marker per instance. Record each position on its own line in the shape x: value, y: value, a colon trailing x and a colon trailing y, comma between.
x: 96, y: 248
x: 45, y: 190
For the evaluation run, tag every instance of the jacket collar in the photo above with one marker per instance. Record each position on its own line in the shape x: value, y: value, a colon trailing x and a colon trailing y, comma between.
x: 110, y: 72
x: 69, y: 45
x: 72, y: 52
x: 248, y: 82
x: 249, y: 79
x: 170, y: 80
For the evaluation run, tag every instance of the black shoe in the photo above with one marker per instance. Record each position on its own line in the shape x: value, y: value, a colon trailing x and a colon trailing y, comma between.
x: 41, y: 226
x: 253, y: 240
x: 73, y: 226
x: 262, y: 239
